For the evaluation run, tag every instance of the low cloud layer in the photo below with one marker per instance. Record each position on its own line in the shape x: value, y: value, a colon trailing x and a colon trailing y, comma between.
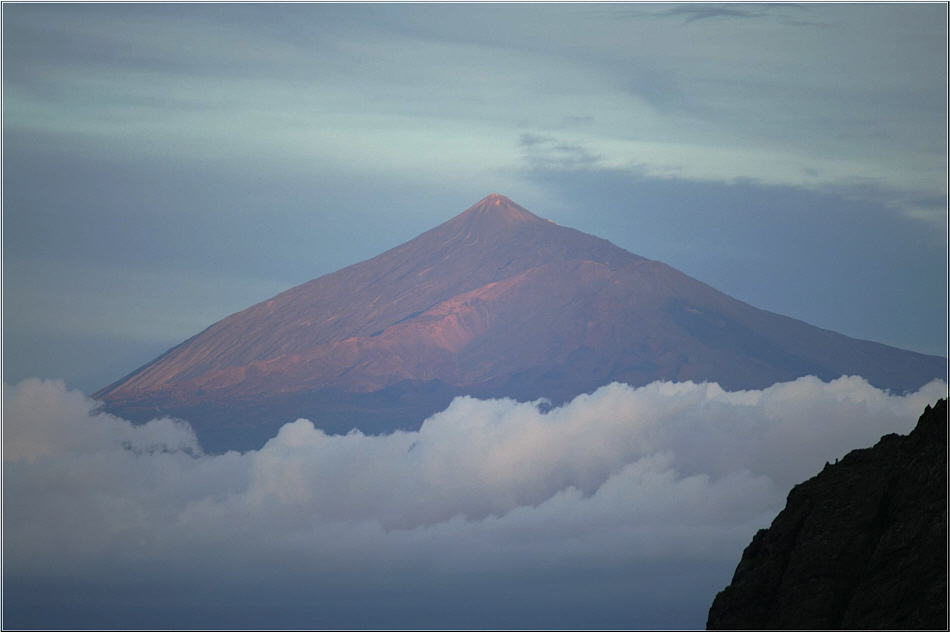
x: 625, y: 508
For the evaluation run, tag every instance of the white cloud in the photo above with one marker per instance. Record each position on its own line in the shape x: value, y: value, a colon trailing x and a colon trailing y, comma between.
x: 639, y: 485
x: 42, y: 419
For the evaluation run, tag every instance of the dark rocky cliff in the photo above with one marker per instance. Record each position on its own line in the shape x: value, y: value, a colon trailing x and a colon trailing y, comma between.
x: 862, y: 545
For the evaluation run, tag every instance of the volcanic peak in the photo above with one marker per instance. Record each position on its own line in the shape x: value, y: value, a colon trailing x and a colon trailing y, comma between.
x: 496, y: 199
x: 497, y: 212
x: 494, y: 302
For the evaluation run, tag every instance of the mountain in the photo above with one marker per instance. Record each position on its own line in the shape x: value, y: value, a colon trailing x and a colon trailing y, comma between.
x: 861, y: 546
x: 494, y: 302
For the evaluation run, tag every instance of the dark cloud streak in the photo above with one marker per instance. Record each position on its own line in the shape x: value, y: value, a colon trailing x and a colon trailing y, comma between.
x: 694, y: 12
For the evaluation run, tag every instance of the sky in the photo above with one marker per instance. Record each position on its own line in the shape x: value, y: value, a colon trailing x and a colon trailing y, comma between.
x: 165, y: 165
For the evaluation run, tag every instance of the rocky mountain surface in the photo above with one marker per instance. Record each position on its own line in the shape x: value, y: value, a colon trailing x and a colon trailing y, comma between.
x: 862, y: 545
x: 495, y: 302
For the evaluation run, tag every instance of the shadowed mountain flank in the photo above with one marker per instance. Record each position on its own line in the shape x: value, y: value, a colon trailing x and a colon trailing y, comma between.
x: 862, y: 545
x: 494, y: 302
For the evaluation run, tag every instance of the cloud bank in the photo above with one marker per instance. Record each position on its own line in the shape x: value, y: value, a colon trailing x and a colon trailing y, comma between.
x: 624, y: 508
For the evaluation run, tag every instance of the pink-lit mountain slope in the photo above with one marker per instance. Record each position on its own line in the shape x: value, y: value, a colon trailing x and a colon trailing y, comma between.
x: 495, y: 302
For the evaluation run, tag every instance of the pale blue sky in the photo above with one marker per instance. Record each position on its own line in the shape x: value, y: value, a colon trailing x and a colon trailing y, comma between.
x: 166, y: 165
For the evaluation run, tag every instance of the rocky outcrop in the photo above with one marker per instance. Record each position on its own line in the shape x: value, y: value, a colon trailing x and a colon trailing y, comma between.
x: 862, y: 545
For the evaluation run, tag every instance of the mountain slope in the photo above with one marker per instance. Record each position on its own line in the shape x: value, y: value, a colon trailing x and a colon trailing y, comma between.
x: 492, y: 240
x: 495, y: 302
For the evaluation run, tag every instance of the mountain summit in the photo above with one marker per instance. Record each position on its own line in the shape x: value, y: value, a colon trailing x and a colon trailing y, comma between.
x: 497, y: 210
x: 494, y: 302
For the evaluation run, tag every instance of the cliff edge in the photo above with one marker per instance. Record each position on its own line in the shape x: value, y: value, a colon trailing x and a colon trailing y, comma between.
x: 862, y: 545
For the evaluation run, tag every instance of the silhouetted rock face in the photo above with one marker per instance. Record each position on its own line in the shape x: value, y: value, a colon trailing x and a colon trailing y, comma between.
x: 862, y: 545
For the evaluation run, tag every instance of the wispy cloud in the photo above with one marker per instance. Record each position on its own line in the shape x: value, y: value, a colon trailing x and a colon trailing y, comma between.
x: 531, y: 140
x: 778, y: 12
x: 548, y: 152
x: 696, y: 12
